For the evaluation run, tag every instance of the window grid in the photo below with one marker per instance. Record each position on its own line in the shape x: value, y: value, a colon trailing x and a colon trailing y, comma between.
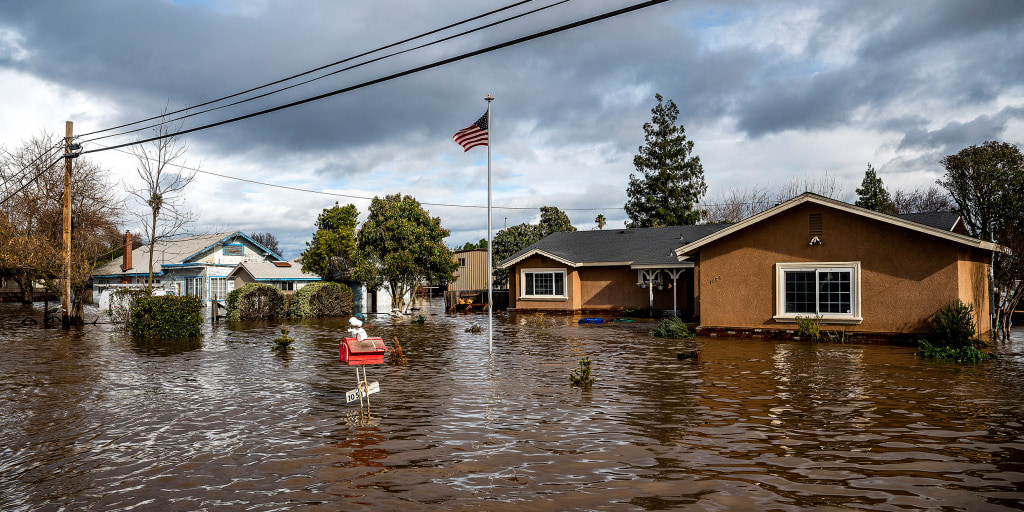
x: 818, y: 291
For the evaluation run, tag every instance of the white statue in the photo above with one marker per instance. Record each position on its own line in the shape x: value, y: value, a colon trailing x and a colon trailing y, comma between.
x: 356, y: 328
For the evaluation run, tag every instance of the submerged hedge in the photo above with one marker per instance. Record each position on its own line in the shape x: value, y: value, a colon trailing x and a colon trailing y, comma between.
x: 166, y: 317
x: 322, y: 299
x: 255, y: 301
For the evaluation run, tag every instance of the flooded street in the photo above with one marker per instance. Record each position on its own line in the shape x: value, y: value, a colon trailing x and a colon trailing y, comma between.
x: 90, y: 420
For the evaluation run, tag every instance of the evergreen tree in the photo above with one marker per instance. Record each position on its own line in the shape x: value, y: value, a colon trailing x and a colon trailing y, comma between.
x: 873, y: 195
x: 671, y: 181
x: 332, y: 253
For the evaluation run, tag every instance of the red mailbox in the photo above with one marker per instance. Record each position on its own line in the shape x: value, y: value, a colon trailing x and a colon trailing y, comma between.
x: 368, y: 351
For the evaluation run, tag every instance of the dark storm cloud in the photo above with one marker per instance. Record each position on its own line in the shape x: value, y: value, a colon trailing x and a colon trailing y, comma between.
x: 955, y: 136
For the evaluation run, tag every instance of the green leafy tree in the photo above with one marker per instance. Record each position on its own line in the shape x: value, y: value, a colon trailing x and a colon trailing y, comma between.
x: 468, y: 246
x: 671, y: 181
x: 601, y: 221
x: 553, y: 220
x: 873, y: 195
x: 332, y: 253
x: 509, y: 241
x: 987, y: 185
x: 401, y: 246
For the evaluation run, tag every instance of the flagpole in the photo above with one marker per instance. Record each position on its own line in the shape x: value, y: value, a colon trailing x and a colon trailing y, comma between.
x: 490, y: 244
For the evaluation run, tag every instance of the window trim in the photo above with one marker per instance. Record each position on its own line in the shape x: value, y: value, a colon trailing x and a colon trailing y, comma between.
x: 522, y: 283
x: 852, y: 318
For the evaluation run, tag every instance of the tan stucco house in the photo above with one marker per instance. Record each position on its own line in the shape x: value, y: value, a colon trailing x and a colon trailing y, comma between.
x: 857, y: 269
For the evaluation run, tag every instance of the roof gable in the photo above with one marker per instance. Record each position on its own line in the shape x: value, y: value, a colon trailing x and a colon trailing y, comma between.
x: 808, y: 197
x: 176, y: 251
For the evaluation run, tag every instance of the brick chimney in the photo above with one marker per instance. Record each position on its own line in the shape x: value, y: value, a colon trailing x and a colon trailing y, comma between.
x: 126, y: 258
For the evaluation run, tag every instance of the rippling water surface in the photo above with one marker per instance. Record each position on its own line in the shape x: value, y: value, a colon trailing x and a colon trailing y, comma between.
x: 90, y: 420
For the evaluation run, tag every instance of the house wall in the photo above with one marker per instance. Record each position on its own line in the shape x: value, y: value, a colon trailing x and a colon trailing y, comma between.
x: 595, y: 289
x: 905, y: 275
x: 472, y: 276
x: 571, y: 284
x: 973, y: 284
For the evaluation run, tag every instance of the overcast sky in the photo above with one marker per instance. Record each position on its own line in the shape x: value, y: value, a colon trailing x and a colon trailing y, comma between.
x: 768, y: 91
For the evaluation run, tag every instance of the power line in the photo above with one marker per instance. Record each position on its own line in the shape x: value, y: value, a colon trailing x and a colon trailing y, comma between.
x: 349, y: 68
x: 34, y: 178
x: 350, y: 196
x: 387, y: 78
x: 304, y: 73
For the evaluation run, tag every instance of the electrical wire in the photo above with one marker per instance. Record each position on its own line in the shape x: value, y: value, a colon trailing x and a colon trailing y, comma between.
x: 349, y: 196
x: 407, y: 72
x: 27, y: 183
x: 349, y: 68
x: 304, y: 73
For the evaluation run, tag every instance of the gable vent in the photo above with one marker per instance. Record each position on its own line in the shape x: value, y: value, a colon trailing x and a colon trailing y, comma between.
x: 814, y: 224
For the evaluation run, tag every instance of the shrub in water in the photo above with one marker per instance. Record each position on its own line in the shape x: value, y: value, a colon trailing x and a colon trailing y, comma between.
x: 953, y: 325
x: 968, y: 354
x: 673, y: 327
x: 255, y: 301
x: 809, y: 326
x: 322, y: 299
x: 581, y: 377
x: 166, y: 317
x: 284, y: 342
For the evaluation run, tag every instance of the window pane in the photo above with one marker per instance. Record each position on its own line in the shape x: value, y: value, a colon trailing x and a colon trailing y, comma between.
x: 834, y: 292
x: 800, y: 292
x: 559, y: 283
x: 544, y: 284
x: 528, y: 285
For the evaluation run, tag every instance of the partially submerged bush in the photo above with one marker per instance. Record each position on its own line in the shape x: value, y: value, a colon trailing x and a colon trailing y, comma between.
x: 673, y: 327
x: 953, y: 325
x: 581, y: 377
x: 166, y: 317
x: 968, y: 354
x: 284, y: 343
x: 809, y: 326
x: 121, y: 301
x: 322, y: 299
x: 255, y: 301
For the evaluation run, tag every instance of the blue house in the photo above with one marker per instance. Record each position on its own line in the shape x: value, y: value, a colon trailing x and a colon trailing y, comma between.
x: 190, y: 265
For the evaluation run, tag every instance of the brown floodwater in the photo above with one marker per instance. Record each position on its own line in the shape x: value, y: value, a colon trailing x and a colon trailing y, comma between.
x: 90, y: 420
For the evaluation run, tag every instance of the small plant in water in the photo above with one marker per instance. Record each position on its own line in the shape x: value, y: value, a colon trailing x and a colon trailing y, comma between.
x: 968, y: 354
x: 284, y: 342
x: 474, y: 329
x: 809, y: 326
x: 840, y: 336
x: 396, y: 356
x: 673, y: 327
x: 581, y: 377
x: 420, y: 319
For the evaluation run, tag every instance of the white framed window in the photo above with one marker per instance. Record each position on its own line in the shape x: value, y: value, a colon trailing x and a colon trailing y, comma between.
x: 830, y: 290
x: 218, y: 288
x: 194, y: 287
x: 542, y: 283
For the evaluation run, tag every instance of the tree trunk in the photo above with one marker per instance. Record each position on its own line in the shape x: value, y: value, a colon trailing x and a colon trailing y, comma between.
x: 25, y: 283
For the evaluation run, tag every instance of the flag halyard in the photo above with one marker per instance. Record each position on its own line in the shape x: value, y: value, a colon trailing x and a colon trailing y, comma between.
x: 473, y: 135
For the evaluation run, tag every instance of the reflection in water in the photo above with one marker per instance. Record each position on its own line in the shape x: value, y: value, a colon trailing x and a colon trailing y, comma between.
x: 89, y: 419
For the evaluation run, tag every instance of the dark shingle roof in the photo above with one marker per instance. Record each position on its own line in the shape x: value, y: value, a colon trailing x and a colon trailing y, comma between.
x: 940, y: 220
x: 639, y: 246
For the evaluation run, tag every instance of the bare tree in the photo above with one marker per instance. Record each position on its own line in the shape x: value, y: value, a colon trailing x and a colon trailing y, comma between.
x: 932, y: 199
x: 268, y: 240
x: 735, y: 205
x: 164, y: 179
x: 31, y: 234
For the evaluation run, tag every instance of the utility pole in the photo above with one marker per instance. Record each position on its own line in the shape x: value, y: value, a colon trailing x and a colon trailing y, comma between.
x: 65, y: 295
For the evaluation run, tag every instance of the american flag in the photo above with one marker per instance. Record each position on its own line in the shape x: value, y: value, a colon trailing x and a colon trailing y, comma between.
x: 473, y: 135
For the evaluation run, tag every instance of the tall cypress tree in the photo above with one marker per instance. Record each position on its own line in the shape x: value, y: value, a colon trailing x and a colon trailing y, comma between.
x: 669, y: 182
